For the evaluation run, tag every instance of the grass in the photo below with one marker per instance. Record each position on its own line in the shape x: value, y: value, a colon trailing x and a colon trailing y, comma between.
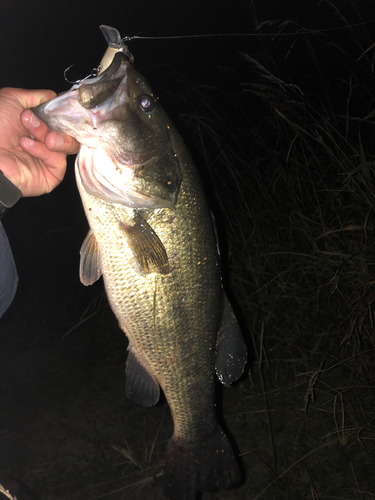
x: 289, y: 149
x: 6, y: 493
x: 294, y: 182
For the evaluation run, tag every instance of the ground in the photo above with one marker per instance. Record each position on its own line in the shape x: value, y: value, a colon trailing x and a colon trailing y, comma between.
x: 67, y: 430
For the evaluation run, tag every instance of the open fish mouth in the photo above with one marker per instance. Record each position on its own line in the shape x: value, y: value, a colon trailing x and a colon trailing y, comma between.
x: 107, y: 170
x: 80, y: 111
x: 99, y: 113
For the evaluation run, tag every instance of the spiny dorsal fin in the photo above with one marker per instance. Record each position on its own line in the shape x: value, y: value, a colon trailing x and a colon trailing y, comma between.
x: 146, y: 246
x: 231, y: 353
x: 89, y: 267
x: 140, y: 386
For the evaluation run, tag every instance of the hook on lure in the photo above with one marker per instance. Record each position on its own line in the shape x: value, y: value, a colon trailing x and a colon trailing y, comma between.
x: 94, y: 73
x: 115, y: 44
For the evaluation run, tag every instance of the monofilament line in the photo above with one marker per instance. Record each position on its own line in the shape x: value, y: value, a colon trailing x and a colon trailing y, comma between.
x: 302, y: 31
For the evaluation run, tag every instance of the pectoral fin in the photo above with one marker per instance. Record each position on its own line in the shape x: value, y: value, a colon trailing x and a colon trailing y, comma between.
x: 231, y: 353
x: 89, y: 266
x: 140, y: 386
x: 146, y: 246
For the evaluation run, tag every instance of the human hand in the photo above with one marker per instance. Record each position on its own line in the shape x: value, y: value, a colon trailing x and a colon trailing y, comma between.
x: 35, y: 166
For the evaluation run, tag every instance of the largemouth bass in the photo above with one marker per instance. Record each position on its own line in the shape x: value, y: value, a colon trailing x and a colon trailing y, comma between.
x: 152, y: 237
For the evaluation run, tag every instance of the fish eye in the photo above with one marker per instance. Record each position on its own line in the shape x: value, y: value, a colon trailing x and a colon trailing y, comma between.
x: 147, y: 103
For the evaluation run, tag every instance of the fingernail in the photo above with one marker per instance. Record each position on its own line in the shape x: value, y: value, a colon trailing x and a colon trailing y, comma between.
x: 58, y: 142
x: 28, y: 141
x: 34, y: 121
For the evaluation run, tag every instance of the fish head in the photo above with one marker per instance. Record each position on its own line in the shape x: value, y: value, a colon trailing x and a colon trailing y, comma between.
x: 127, y: 153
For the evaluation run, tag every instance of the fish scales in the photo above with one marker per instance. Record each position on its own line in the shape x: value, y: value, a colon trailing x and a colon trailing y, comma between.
x: 153, y: 239
x: 166, y: 336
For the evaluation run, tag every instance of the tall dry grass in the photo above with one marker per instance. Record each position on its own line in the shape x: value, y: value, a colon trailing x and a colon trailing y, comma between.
x: 290, y: 154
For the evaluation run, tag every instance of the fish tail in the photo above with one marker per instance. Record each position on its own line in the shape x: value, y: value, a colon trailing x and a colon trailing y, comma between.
x: 206, y: 466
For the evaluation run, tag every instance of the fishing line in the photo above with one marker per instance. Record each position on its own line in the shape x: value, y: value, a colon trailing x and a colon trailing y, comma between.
x: 302, y: 31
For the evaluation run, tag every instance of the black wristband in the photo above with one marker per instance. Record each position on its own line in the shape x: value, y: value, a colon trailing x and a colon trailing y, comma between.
x: 9, y: 194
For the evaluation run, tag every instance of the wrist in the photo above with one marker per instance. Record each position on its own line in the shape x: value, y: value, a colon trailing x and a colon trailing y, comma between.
x: 9, y: 194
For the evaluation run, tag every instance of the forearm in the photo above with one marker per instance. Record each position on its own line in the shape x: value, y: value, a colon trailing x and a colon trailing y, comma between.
x: 8, y: 273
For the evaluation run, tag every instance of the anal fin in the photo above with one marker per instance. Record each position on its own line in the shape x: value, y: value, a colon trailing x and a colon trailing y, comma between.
x: 140, y: 385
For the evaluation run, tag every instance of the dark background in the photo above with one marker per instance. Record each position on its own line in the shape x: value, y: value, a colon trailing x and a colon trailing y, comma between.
x: 39, y: 40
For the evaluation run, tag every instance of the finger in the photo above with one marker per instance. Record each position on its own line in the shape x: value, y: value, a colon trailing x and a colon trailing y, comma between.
x: 34, y: 125
x: 31, y: 98
x: 28, y: 98
x: 62, y: 143
x: 55, y: 162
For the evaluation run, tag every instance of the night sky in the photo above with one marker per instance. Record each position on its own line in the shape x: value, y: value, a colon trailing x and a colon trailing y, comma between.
x: 40, y: 40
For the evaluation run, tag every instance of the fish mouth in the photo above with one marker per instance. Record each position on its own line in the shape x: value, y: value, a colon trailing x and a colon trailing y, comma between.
x: 101, y: 113
x: 80, y: 110
x: 106, y: 171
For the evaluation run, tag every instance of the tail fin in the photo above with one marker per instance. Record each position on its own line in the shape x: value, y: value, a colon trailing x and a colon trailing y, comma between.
x: 206, y: 466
